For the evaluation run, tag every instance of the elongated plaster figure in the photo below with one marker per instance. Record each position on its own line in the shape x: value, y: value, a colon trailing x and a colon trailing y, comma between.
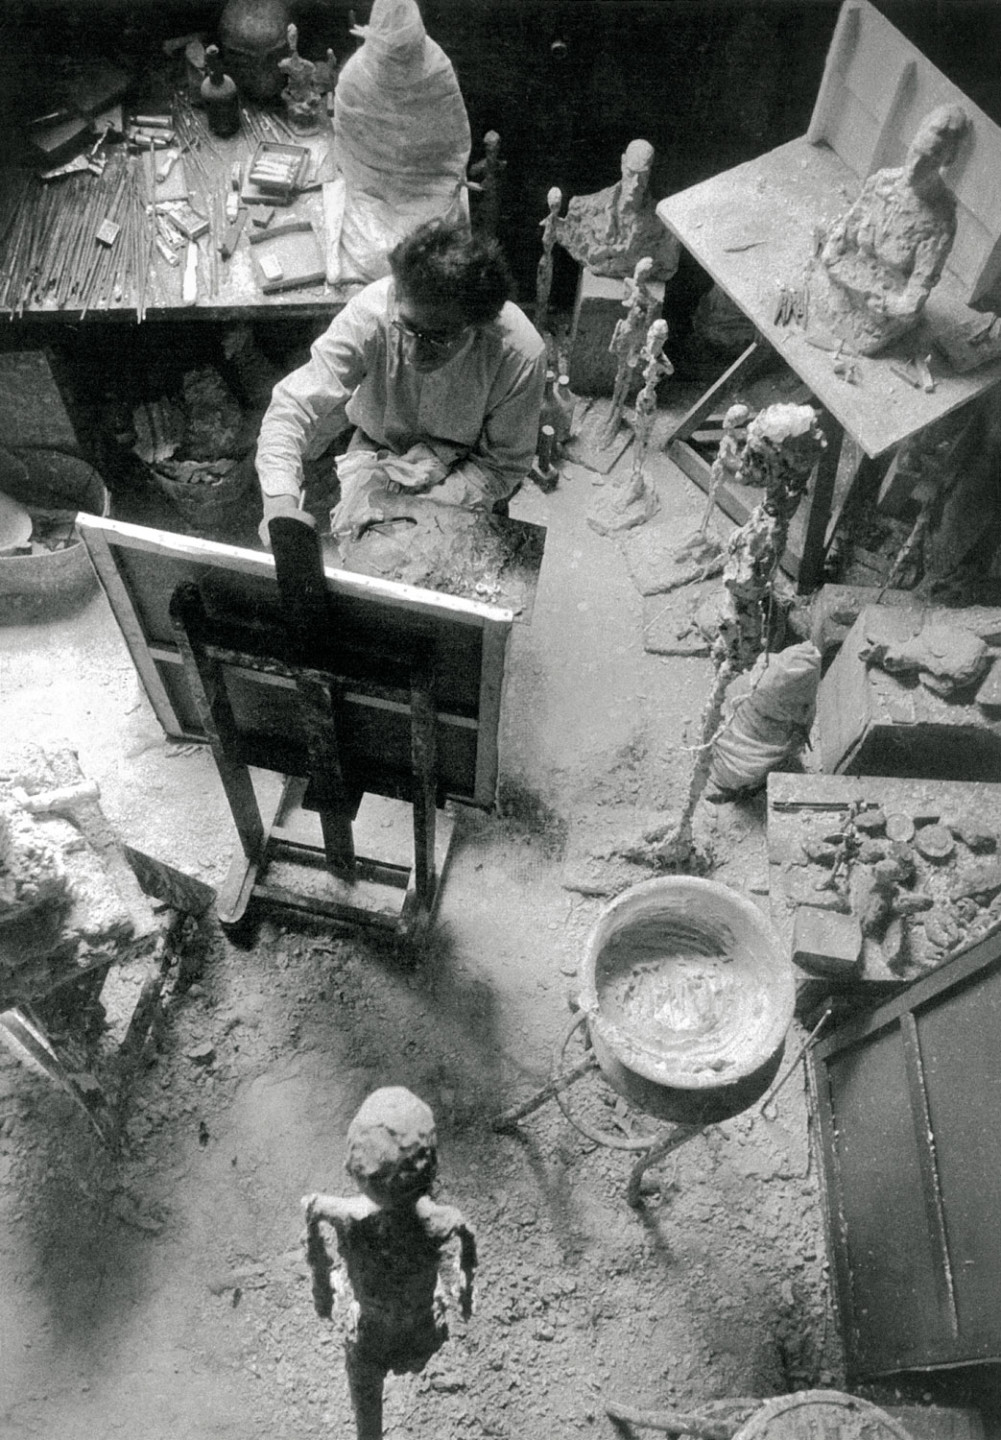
x: 391, y: 1238
x: 612, y: 229
x: 878, y: 263
x: 629, y: 338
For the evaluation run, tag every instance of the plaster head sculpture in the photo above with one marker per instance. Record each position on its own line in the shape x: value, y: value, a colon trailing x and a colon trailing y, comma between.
x: 877, y: 264
x: 614, y: 228
x: 392, y: 1147
x: 637, y: 163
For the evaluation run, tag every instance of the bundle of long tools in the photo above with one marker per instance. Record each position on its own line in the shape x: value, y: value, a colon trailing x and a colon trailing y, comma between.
x: 85, y: 241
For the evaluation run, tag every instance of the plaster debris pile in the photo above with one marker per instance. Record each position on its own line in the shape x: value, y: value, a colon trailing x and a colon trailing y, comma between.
x: 198, y: 448
x: 69, y: 905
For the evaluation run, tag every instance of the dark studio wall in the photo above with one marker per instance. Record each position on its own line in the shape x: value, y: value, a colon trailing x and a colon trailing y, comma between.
x: 567, y: 83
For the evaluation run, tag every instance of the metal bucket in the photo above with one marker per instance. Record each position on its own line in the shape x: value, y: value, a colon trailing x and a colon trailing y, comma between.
x: 688, y: 996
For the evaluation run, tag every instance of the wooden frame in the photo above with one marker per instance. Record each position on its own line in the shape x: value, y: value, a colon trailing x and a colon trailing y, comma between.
x: 906, y: 1099
x: 357, y: 685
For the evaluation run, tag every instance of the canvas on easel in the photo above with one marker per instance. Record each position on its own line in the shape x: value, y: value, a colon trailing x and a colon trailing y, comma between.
x: 360, y: 688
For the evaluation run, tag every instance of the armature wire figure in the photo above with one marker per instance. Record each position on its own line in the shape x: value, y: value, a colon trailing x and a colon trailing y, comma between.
x: 391, y: 1239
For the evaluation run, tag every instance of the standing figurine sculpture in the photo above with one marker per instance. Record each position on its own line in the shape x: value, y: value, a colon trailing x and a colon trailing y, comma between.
x: 876, y: 265
x: 544, y: 273
x: 621, y: 507
x: 628, y: 340
x: 485, y: 178
x: 391, y: 1238
x: 302, y: 95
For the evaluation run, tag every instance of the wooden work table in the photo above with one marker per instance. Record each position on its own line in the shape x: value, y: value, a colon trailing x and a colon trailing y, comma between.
x: 226, y: 290
x: 752, y: 229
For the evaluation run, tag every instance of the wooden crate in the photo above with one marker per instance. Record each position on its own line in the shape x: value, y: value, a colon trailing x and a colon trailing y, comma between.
x: 873, y: 723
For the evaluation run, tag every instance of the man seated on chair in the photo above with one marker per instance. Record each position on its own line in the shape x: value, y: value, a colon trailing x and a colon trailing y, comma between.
x: 440, y: 374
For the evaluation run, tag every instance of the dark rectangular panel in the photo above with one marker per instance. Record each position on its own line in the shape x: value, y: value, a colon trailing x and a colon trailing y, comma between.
x: 960, y: 1041
x: 889, y: 1260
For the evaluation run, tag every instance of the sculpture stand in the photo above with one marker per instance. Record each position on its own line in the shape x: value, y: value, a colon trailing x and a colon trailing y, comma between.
x: 647, y: 1148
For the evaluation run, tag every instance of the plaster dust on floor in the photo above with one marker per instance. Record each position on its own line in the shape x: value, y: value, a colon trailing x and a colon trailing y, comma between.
x: 164, y: 1293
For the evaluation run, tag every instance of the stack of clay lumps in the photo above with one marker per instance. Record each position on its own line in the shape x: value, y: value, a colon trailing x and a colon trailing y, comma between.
x: 69, y: 904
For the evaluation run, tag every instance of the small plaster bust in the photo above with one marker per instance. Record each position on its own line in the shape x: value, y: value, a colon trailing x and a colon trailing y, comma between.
x: 614, y: 228
x: 878, y: 263
x: 391, y: 1237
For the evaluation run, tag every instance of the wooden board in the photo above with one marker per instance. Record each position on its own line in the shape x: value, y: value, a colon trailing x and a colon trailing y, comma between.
x: 876, y: 89
x: 870, y: 722
x: 907, y: 1100
x: 372, y: 623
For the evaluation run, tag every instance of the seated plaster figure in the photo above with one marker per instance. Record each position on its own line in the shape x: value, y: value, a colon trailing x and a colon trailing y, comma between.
x: 611, y: 231
x: 441, y: 376
x: 391, y: 1238
x: 401, y: 140
x: 878, y: 263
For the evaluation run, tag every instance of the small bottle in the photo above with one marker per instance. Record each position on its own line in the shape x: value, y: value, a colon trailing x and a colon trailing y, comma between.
x: 222, y: 104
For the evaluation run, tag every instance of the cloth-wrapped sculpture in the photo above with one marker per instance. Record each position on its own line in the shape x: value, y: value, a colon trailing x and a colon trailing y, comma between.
x: 401, y: 141
x: 766, y: 718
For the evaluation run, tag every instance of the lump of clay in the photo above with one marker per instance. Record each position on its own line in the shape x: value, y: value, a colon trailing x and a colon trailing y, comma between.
x: 612, y: 230
x: 878, y: 263
x: 945, y: 658
x: 401, y: 139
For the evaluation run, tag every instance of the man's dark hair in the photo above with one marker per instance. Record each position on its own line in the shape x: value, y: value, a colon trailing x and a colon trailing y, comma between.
x: 443, y: 264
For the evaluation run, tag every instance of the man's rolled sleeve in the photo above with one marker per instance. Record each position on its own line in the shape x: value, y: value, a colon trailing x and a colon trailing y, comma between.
x: 311, y: 400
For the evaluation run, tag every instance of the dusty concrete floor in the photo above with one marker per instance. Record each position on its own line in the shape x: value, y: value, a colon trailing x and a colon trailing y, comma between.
x: 164, y: 1294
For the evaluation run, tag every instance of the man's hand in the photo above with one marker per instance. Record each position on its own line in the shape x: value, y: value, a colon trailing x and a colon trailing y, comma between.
x: 275, y: 505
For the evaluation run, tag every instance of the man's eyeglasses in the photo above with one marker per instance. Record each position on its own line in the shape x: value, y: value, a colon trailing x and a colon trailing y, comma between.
x: 433, y: 339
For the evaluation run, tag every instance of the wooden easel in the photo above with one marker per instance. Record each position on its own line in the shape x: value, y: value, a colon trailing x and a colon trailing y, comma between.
x: 328, y: 877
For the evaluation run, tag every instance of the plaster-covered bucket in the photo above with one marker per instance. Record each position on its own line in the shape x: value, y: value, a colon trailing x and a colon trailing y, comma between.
x: 688, y: 994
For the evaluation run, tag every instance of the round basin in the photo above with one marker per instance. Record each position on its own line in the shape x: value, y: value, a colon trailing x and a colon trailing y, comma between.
x: 688, y: 996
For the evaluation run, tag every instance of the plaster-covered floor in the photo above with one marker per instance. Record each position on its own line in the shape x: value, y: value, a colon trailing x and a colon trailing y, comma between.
x: 164, y: 1295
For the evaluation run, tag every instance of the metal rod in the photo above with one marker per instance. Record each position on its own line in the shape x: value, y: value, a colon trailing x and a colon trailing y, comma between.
x: 769, y: 1100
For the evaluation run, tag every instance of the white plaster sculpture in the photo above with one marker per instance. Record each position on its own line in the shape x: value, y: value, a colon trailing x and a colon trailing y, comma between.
x: 878, y: 263
x: 613, y: 229
x: 401, y: 140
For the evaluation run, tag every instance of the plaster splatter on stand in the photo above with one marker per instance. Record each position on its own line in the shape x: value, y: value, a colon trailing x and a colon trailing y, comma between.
x: 391, y: 1238
x: 620, y: 507
x: 783, y: 444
